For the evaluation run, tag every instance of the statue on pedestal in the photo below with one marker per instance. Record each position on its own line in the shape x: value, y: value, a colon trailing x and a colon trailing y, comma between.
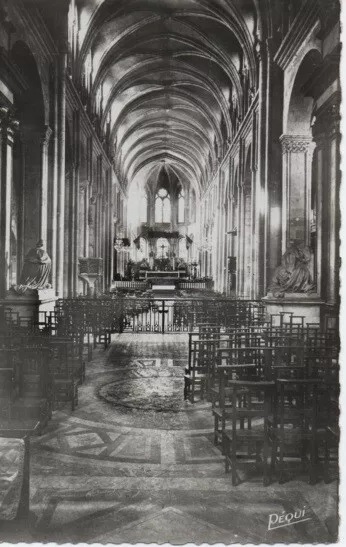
x: 293, y: 274
x: 36, y: 270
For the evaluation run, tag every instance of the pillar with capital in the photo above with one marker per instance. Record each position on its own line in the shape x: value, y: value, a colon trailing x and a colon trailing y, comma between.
x: 61, y: 127
x: 326, y: 133
x: 83, y: 243
x: 83, y: 224
x: 260, y: 186
x: 240, y: 239
x: 297, y: 152
x: 45, y: 137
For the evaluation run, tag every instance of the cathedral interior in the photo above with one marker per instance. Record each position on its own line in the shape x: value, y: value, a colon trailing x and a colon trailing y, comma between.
x: 169, y: 271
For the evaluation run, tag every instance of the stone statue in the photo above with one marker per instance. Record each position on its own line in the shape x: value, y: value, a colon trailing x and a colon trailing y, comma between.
x: 36, y: 270
x: 293, y: 274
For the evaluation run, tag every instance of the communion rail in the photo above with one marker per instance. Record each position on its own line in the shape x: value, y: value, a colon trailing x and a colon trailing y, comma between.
x: 161, y: 315
x: 183, y: 284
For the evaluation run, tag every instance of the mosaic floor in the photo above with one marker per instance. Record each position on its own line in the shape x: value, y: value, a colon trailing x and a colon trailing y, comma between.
x: 136, y: 463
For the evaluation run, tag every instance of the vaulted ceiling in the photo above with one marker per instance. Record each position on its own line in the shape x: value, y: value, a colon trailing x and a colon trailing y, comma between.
x: 166, y: 72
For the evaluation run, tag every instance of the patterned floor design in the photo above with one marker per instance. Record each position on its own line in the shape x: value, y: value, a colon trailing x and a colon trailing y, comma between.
x: 136, y: 463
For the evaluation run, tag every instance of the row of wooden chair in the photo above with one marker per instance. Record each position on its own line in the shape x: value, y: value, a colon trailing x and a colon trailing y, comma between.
x: 294, y: 345
x: 42, y: 364
x: 279, y: 423
x: 273, y: 386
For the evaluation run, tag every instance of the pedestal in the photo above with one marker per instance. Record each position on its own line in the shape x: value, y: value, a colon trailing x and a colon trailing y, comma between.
x: 90, y: 280
x: 31, y: 305
x: 299, y: 304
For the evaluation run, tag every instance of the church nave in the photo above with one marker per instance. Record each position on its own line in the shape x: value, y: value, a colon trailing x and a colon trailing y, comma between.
x: 134, y: 472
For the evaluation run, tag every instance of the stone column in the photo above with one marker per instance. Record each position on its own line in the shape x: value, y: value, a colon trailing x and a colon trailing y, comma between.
x: 44, y: 184
x: 296, y: 192
x: 326, y: 132
x: 274, y: 233
x: 260, y: 188
x: 248, y: 239
x: 92, y: 220
x: 81, y: 228
x: 98, y: 226
x: 110, y: 228
x: 21, y: 212
x: 61, y: 174
x: 8, y: 124
x: 74, y: 204
x: 52, y: 243
x: 218, y: 250
x: 83, y: 218
x: 103, y: 237
x: 240, y: 240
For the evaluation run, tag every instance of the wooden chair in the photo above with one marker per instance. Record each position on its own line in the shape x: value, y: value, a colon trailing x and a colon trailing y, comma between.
x: 247, y: 441
x: 7, y: 393
x: 222, y: 401
x: 332, y: 433
x: 65, y: 369
x: 298, y: 426
x: 35, y: 394
x: 331, y: 450
x: 71, y: 348
x: 195, y: 378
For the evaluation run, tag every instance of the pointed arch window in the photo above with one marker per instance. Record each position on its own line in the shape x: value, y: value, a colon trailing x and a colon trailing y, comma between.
x: 143, y: 208
x: 181, y: 206
x: 193, y: 206
x: 162, y: 206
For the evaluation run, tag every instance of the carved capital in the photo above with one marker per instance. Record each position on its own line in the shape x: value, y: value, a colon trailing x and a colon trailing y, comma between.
x: 296, y: 143
x: 8, y: 123
x: 83, y: 186
x: 259, y: 49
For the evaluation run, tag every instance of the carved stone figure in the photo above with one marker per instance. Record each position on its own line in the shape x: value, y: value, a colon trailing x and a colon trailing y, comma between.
x: 293, y: 274
x: 36, y: 270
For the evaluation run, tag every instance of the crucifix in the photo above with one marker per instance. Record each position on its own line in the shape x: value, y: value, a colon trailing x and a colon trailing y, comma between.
x: 162, y: 247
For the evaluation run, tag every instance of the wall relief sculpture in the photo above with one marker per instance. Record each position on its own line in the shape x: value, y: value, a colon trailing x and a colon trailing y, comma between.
x: 293, y: 274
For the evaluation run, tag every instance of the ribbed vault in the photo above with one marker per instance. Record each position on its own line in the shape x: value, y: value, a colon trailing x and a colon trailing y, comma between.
x: 163, y: 77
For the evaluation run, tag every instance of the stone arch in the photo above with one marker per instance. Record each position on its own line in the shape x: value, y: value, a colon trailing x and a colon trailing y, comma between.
x: 28, y: 150
x: 34, y: 68
x: 300, y: 105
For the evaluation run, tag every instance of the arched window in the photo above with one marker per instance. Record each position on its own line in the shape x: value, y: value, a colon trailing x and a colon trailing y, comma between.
x: 193, y: 207
x: 181, y: 206
x: 143, y: 208
x: 162, y: 206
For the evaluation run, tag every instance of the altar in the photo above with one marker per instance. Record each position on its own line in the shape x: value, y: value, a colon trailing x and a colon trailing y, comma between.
x: 160, y: 274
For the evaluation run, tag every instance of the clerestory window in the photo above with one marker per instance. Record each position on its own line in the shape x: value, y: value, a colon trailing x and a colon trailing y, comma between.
x: 162, y: 206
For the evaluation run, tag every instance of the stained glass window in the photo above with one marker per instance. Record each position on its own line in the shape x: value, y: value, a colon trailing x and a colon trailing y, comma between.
x: 162, y: 206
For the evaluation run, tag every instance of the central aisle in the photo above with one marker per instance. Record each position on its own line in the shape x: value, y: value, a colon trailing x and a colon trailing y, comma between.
x: 136, y: 463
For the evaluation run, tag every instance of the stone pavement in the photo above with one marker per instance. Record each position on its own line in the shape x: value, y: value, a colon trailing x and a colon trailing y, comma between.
x: 136, y: 463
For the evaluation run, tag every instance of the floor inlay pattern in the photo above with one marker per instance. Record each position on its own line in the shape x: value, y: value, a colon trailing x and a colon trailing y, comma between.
x: 141, y: 466
x: 148, y: 384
